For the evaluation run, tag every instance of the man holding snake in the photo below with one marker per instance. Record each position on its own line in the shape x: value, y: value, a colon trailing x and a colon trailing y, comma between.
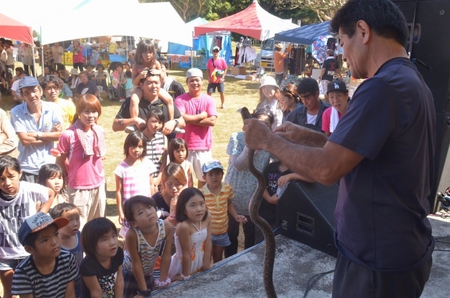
x: 382, y: 152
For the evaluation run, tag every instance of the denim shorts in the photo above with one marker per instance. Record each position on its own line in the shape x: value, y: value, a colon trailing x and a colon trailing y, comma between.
x: 213, y: 86
x: 220, y: 239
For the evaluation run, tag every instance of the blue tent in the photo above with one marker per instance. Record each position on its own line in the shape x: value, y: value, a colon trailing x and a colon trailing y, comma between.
x: 305, y: 35
x: 203, y: 46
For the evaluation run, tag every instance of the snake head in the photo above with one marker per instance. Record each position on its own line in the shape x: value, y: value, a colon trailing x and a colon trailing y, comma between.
x: 245, y: 113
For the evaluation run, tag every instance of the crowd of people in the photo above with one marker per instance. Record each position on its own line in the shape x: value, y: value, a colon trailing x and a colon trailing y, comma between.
x: 171, y: 230
x: 55, y: 240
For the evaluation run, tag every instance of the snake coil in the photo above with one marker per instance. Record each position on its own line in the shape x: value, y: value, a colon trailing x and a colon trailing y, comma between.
x: 255, y: 202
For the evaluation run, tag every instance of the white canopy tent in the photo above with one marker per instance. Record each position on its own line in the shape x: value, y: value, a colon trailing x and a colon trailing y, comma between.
x: 57, y: 21
x: 153, y: 20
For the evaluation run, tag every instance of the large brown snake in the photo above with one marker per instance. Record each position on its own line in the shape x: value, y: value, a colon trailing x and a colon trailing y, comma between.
x: 255, y: 202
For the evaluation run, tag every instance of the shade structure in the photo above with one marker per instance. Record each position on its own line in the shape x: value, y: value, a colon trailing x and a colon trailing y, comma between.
x: 13, y: 29
x: 253, y: 21
x: 153, y: 20
x: 305, y: 35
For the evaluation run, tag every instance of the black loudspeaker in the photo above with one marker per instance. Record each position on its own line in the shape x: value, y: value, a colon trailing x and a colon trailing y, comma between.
x: 305, y: 213
x: 428, y: 45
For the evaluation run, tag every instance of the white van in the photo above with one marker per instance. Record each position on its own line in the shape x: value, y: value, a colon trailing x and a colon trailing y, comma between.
x: 264, y: 58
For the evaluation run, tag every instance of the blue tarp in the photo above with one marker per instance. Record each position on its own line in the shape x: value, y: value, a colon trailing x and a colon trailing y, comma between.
x: 202, y: 44
x: 305, y: 35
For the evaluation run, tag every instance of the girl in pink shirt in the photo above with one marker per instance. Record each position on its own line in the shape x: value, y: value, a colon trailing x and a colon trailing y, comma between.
x: 83, y: 144
x: 133, y: 174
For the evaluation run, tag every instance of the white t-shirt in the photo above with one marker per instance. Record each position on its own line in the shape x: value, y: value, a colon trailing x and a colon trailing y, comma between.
x: 311, y: 119
x: 15, y: 85
x: 14, y: 210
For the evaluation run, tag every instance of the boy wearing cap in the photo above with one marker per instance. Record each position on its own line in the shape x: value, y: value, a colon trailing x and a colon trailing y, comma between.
x: 200, y: 114
x: 330, y: 68
x: 38, y: 125
x: 217, y: 70
x: 218, y: 198
x: 48, y: 271
x: 338, y: 98
x: 310, y: 113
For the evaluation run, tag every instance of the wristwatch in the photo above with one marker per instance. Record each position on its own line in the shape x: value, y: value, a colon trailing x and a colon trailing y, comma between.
x: 176, y: 123
x: 38, y: 135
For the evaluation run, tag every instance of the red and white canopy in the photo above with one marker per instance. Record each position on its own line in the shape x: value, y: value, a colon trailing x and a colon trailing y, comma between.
x: 12, y: 29
x: 253, y: 21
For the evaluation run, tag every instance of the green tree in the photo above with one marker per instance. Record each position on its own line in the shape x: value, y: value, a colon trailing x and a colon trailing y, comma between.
x: 308, y: 11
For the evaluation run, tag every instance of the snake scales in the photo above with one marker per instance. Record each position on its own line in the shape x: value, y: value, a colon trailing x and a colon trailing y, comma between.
x: 255, y: 202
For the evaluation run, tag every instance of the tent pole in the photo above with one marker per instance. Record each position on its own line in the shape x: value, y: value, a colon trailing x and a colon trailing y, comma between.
x: 42, y: 60
x: 34, y: 60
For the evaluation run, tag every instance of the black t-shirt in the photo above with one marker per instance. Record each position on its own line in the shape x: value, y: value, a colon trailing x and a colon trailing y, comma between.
x: 161, y: 205
x: 382, y: 207
x: 89, y: 88
x: 176, y: 89
x: 106, y: 277
x: 331, y: 65
x: 272, y: 173
x: 144, y: 107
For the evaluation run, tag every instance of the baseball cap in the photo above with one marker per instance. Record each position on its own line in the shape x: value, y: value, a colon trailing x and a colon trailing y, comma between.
x: 74, y: 71
x: 28, y: 81
x: 38, y: 222
x: 194, y: 72
x: 216, y: 48
x: 211, y: 165
x: 337, y: 85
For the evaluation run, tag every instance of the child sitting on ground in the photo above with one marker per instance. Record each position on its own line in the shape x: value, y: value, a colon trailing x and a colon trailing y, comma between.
x: 70, y: 235
x: 148, y: 237
x: 101, y: 269
x: 48, y: 271
x: 218, y: 197
x: 118, y: 80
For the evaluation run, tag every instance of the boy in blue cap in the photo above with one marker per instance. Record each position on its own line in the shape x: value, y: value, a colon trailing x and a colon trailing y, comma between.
x: 48, y: 271
x: 218, y: 198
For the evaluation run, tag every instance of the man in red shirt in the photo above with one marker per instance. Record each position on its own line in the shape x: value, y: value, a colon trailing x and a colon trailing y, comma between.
x: 217, y: 69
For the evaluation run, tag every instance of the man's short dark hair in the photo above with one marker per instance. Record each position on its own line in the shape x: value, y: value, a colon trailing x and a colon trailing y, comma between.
x: 307, y: 85
x: 382, y: 16
x: 164, y: 61
x: 151, y: 72
x: 51, y: 78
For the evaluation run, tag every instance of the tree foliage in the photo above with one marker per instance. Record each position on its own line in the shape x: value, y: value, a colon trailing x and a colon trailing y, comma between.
x: 308, y: 11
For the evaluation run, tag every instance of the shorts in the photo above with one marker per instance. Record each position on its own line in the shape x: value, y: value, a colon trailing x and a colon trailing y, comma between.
x: 90, y: 202
x: 212, y: 87
x: 197, y: 158
x: 220, y: 239
x: 9, y: 264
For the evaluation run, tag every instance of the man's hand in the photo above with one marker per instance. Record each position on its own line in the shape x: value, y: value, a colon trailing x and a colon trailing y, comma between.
x: 169, y: 126
x: 256, y: 133
x: 299, y: 134
x: 57, y: 127
x: 139, y: 123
